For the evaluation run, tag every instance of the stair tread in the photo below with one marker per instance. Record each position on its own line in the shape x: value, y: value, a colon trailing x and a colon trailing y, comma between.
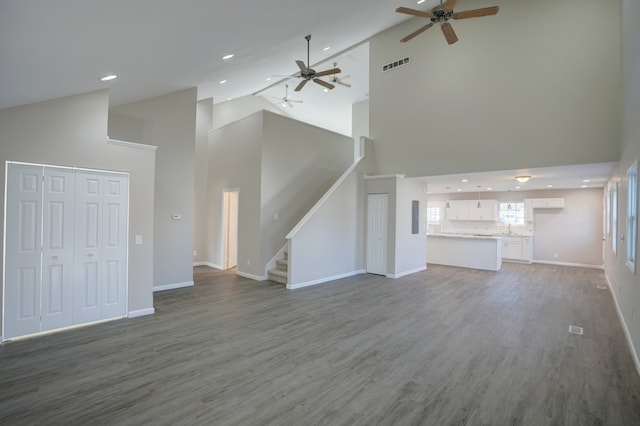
x: 277, y: 272
x: 282, y: 262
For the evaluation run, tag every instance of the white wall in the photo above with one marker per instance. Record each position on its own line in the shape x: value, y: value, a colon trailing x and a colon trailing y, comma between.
x: 536, y: 85
x: 360, y: 119
x: 625, y: 285
x: 72, y: 131
x: 170, y: 123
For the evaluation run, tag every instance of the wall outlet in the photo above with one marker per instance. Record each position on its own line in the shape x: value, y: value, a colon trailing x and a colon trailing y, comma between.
x: 138, y: 240
x: 555, y: 255
x: 248, y: 262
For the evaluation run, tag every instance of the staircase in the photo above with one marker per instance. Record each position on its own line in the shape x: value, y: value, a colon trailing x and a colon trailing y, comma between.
x: 279, y: 274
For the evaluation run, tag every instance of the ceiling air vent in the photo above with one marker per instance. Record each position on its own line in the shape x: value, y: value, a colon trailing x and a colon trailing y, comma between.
x: 396, y: 64
x: 575, y: 329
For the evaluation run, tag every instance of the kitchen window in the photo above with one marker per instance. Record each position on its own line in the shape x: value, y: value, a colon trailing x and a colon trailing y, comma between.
x: 433, y: 215
x: 632, y: 215
x: 511, y: 213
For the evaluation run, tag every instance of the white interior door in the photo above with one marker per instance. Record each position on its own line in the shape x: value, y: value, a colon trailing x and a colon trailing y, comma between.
x: 23, y: 250
x: 58, y: 194
x: 114, y: 245
x: 230, y: 229
x: 88, y: 248
x: 377, y: 214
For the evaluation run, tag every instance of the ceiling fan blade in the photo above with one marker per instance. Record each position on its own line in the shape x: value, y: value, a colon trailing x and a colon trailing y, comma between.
x: 300, y: 86
x: 328, y: 72
x: 416, y: 32
x: 345, y: 77
x: 413, y: 12
x: 323, y: 83
x: 449, y: 34
x: 449, y: 4
x: 302, y: 66
x: 275, y: 97
x: 289, y: 104
x: 476, y: 13
x: 344, y: 84
x: 296, y: 101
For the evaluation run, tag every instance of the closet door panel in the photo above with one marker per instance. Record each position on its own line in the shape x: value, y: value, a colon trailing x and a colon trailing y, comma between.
x: 23, y: 250
x: 87, y: 254
x: 57, y: 248
x: 114, y: 245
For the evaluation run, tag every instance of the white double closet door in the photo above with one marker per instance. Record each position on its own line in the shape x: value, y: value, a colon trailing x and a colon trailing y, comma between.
x: 65, y: 248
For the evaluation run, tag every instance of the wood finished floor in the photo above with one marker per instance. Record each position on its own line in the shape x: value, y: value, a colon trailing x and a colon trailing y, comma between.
x: 447, y: 346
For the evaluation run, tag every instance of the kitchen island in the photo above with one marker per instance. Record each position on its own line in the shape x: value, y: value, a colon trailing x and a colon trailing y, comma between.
x: 467, y: 251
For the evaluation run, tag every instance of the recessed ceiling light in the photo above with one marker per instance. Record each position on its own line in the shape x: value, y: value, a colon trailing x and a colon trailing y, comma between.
x: 489, y: 189
x: 465, y: 180
x: 458, y: 189
x: 584, y: 186
x: 109, y: 77
x: 586, y: 180
x: 549, y: 186
x: 227, y: 57
x: 325, y: 90
x: 229, y: 99
x: 267, y: 79
x: 327, y: 48
x: 421, y: 1
x: 517, y: 187
x: 223, y: 81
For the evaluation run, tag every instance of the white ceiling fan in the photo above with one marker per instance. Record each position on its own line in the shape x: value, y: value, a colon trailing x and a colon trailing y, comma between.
x: 339, y: 80
x: 286, y: 101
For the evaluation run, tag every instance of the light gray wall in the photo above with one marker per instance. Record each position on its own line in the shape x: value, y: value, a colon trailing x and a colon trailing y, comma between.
x: 300, y: 162
x: 624, y: 284
x: 574, y: 233
x: 72, y: 131
x: 533, y: 86
x: 234, y: 162
x: 236, y: 109
x: 360, y: 119
x: 328, y: 245
x: 170, y: 125
x: 411, y: 249
x: 204, y: 115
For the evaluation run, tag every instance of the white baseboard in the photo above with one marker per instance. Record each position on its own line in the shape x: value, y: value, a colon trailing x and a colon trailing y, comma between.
x: 326, y: 279
x: 172, y: 286
x: 141, y: 312
x: 209, y: 264
x: 251, y: 276
x: 412, y: 271
x: 579, y: 265
x: 627, y: 334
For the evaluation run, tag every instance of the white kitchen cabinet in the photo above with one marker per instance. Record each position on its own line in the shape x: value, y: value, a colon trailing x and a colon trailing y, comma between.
x: 469, y: 210
x: 512, y: 248
x: 528, y: 210
x: 457, y: 210
x: 517, y: 248
x: 486, y: 211
x: 548, y: 203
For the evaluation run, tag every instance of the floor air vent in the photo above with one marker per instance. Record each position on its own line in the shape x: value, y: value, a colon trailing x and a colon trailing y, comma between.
x: 575, y: 330
x: 396, y: 64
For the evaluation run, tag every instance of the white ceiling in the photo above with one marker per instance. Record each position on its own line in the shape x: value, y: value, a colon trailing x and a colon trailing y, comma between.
x: 52, y: 49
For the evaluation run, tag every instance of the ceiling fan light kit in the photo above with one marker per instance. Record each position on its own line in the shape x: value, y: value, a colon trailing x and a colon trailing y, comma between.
x: 523, y: 179
x: 441, y: 15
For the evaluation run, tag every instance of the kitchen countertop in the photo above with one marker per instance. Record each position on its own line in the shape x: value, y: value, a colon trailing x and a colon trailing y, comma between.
x: 468, y: 236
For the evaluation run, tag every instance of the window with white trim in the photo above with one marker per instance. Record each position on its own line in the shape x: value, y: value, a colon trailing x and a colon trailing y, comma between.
x: 511, y: 213
x: 433, y: 215
x: 632, y: 215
